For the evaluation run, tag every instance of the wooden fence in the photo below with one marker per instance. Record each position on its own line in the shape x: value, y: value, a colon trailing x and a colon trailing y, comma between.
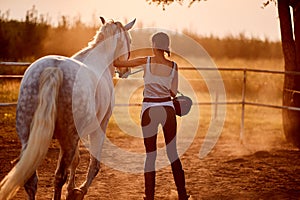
x: 243, y: 102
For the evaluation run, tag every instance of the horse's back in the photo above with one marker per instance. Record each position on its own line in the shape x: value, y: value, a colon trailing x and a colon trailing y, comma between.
x: 29, y: 89
x: 83, y: 98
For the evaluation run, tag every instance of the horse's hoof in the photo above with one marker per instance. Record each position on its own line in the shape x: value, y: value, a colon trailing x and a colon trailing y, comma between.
x: 75, y: 194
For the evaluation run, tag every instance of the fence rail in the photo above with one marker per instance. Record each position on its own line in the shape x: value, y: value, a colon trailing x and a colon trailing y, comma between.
x: 15, y: 63
x: 243, y: 101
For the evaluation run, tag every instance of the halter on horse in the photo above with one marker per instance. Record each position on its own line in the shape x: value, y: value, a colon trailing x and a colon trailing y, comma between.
x: 69, y: 99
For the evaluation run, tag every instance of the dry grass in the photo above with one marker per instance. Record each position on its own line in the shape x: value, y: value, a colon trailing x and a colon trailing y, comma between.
x: 267, y: 64
x: 9, y: 90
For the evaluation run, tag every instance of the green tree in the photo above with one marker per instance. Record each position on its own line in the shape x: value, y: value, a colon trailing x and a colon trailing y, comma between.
x: 19, y: 40
x: 290, y: 42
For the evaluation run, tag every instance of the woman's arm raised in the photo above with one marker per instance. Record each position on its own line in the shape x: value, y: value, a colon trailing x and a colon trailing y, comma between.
x: 130, y: 63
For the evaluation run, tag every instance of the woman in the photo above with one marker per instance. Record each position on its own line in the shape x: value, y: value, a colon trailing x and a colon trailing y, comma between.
x: 160, y: 84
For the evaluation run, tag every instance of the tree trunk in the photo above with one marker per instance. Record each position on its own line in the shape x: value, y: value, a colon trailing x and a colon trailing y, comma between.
x: 291, y: 49
x: 296, y: 12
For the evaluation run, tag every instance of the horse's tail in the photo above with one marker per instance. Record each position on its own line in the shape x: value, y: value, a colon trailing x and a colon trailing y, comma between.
x: 41, y: 133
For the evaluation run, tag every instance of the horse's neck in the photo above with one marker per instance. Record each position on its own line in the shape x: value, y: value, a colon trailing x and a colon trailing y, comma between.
x: 99, y: 58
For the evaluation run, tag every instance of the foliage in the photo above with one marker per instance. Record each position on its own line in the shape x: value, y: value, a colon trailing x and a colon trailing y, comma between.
x: 238, y: 47
x: 34, y: 37
x: 163, y: 3
x: 228, y: 47
x: 22, y: 39
x: 266, y: 3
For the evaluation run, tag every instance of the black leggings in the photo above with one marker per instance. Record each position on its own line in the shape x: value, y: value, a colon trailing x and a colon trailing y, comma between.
x: 151, y: 118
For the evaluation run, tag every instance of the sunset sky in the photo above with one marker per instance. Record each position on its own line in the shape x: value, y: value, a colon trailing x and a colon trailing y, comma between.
x: 217, y: 17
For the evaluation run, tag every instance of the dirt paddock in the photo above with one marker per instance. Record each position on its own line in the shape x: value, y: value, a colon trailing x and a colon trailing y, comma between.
x: 273, y: 173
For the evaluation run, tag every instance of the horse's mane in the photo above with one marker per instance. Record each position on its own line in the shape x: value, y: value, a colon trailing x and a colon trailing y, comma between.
x: 106, y: 31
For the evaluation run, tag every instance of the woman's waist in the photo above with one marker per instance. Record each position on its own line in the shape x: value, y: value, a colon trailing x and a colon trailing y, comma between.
x: 154, y: 104
x: 156, y: 99
x: 156, y: 91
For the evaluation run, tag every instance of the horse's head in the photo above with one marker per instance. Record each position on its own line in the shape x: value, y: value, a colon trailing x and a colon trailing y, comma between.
x: 122, y: 50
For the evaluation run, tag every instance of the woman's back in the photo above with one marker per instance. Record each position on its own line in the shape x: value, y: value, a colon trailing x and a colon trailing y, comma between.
x: 161, y: 67
x: 158, y: 79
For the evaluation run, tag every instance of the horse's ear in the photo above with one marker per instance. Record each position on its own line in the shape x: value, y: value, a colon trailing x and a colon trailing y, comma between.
x: 102, y: 20
x: 129, y: 25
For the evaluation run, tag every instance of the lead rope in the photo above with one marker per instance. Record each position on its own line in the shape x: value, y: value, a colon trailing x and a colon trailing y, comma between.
x: 129, y: 73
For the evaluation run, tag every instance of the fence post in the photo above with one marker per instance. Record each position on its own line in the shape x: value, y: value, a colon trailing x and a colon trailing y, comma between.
x: 243, y: 105
x: 216, y: 105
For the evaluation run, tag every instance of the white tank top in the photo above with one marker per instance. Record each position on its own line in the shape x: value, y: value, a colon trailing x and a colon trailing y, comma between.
x: 156, y: 86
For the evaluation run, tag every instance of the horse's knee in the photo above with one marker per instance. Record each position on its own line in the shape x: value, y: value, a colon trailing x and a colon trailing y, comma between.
x: 31, y: 186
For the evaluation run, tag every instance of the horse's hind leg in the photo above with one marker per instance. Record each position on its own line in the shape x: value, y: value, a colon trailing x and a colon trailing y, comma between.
x: 75, y: 162
x: 67, y: 153
x: 31, y: 186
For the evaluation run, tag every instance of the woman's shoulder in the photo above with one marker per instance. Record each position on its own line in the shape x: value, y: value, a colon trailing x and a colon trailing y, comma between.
x: 166, y: 61
x: 172, y: 64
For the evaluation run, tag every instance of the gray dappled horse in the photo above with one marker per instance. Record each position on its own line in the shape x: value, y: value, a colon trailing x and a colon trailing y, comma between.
x: 69, y: 99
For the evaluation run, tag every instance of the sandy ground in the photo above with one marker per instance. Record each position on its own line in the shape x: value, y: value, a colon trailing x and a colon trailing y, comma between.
x: 272, y: 173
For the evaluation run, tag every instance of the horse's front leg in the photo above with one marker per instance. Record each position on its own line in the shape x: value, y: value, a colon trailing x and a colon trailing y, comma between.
x: 78, y: 193
x: 94, y: 168
x: 96, y: 143
x: 95, y: 147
